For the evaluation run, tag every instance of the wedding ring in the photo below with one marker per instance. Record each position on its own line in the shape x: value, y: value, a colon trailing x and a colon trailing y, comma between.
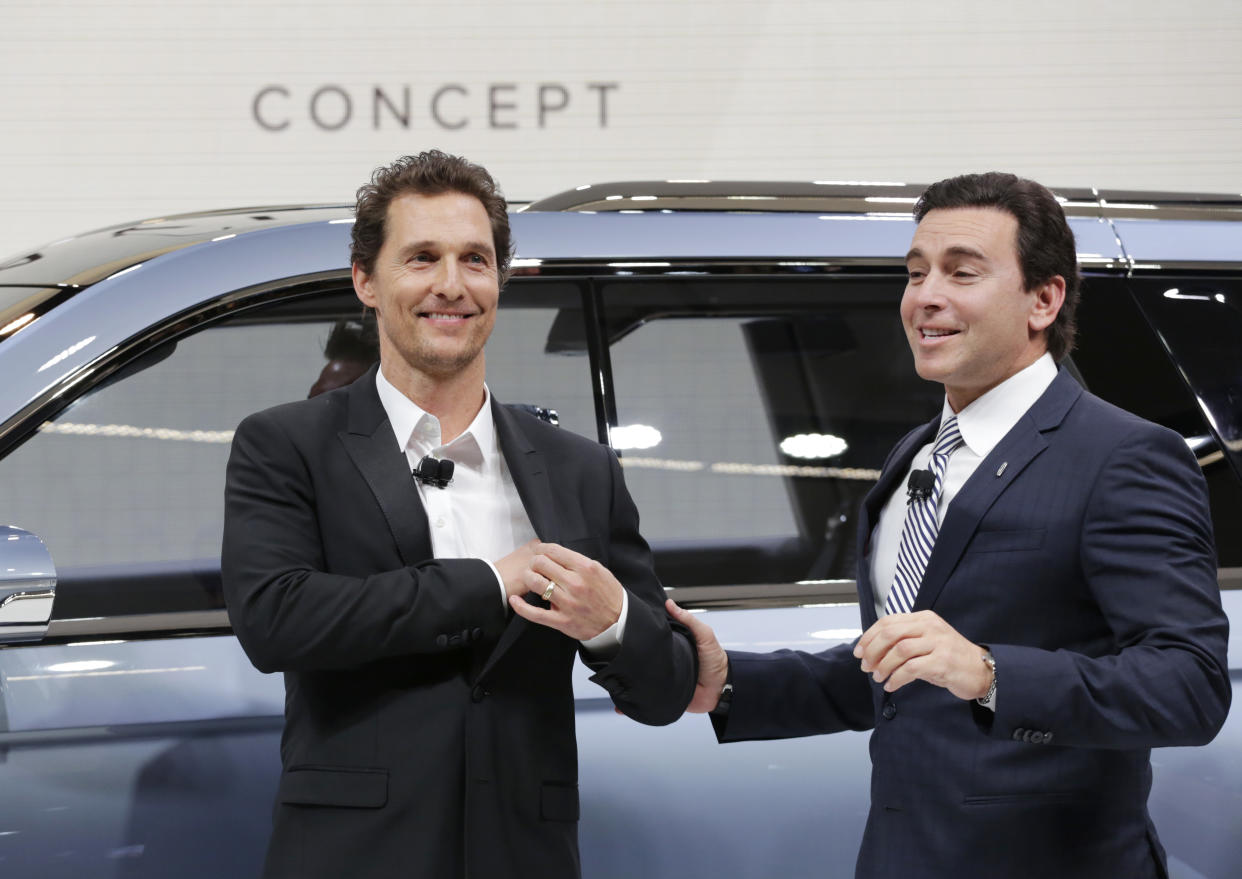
x: 547, y: 593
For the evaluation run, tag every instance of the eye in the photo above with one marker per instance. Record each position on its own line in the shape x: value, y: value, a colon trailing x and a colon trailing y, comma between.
x: 422, y: 256
x: 915, y: 275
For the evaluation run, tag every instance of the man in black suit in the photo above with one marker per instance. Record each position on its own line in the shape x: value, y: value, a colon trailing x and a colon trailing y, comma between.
x: 426, y: 635
x: 1041, y: 606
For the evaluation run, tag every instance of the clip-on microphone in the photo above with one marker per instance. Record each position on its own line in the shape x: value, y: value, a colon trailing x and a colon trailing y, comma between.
x: 920, y: 486
x: 431, y: 471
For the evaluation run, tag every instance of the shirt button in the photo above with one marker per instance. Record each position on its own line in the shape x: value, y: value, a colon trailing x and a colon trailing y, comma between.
x: 440, y: 522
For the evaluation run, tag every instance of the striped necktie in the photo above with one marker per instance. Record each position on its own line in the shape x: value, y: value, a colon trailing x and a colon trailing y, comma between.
x: 918, y: 535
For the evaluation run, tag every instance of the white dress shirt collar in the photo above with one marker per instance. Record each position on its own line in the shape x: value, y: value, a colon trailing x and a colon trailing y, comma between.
x: 986, y: 420
x: 418, y: 430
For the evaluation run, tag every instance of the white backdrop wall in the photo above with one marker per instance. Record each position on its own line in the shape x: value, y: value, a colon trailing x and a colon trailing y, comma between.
x: 114, y: 111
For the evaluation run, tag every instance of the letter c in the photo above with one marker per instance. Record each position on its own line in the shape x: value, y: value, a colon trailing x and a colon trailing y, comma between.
x: 435, y: 106
x: 258, y: 117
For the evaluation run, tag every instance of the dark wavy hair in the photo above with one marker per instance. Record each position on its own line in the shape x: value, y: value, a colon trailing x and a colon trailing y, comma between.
x: 1045, y: 241
x: 429, y: 173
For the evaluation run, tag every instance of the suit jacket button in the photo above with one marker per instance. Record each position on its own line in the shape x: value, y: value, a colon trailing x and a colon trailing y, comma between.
x: 442, y: 641
x: 1047, y: 738
x: 476, y: 634
x: 478, y: 694
x: 889, y: 711
x: 454, y: 640
x: 1017, y: 734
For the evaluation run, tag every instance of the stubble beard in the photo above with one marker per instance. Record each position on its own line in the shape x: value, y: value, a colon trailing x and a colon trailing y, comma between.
x: 428, y: 357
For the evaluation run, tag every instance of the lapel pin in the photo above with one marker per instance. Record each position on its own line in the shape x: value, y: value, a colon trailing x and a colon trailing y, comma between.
x: 1002, y: 467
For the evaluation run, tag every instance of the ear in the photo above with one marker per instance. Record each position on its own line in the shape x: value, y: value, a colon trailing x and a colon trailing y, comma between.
x: 362, y: 286
x: 1046, y: 304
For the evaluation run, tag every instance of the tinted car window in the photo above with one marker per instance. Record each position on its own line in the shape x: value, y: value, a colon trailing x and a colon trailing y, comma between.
x: 1123, y: 353
x: 754, y: 417
x: 125, y: 486
x: 1200, y: 320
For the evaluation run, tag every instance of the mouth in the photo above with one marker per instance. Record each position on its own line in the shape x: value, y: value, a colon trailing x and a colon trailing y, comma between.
x: 933, y: 333
x: 444, y: 316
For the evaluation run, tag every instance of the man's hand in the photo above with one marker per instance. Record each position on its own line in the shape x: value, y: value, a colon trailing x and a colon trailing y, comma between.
x: 905, y: 647
x: 514, y: 567
x: 586, y: 598
x: 713, y: 661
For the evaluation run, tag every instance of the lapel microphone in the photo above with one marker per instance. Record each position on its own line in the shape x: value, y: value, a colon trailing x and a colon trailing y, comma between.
x: 920, y: 486
x: 431, y: 471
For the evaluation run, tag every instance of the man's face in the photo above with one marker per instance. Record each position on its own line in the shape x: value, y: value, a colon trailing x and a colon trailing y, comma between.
x: 435, y: 285
x: 968, y: 319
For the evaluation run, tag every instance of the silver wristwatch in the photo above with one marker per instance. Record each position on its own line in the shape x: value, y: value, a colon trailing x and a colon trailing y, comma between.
x: 990, y: 661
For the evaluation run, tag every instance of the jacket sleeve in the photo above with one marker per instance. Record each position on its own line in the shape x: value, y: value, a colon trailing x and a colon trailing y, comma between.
x: 290, y: 613
x: 790, y: 693
x: 1148, y: 560
x: 652, y: 676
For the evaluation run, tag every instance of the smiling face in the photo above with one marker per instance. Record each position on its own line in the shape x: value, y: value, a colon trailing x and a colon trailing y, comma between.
x: 968, y: 319
x: 434, y: 289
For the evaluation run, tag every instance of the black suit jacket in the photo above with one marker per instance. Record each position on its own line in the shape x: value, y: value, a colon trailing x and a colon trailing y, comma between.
x: 1086, y: 563
x: 429, y: 731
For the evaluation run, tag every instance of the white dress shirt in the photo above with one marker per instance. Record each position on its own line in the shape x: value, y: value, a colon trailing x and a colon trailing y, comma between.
x: 983, y: 424
x: 480, y: 515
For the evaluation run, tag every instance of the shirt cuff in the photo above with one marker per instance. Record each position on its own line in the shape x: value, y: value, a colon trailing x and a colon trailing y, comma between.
x: 607, y: 641
x: 504, y: 595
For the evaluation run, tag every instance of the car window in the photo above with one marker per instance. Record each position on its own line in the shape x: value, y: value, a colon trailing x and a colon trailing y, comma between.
x: 754, y: 416
x: 1200, y: 320
x: 125, y: 486
x: 1175, y: 360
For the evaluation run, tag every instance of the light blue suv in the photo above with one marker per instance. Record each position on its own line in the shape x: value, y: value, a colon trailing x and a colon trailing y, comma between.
x: 740, y: 345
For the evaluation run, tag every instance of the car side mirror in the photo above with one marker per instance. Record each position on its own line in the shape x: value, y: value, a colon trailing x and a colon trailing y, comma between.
x: 27, y: 585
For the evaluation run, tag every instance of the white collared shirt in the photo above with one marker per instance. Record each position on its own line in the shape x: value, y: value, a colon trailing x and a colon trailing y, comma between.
x: 481, y: 514
x: 983, y: 424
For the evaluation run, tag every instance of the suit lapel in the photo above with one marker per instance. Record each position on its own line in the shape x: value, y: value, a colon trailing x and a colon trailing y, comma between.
x: 370, y: 443
x: 1024, y: 442
x: 529, y: 471
x: 527, y: 467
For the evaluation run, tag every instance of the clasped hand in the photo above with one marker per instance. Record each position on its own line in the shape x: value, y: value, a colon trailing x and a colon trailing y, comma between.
x: 585, y: 598
x: 898, y: 649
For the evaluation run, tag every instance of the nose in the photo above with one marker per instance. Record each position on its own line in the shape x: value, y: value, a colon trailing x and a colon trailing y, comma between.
x: 928, y: 293
x: 448, y: 280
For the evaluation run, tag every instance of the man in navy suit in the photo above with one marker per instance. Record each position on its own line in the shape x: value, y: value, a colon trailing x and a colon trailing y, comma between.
x: 1040, y: 607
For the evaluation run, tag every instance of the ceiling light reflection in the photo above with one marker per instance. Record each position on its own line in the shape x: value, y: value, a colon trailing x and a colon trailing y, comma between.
x: 68, y: 352
x: 14, y: 326
x: 837, y: 634
x: 813, y: 445
x: 635, y: 436
x: 82, y: 665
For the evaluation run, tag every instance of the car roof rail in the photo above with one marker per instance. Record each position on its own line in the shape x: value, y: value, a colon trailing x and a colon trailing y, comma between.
x: 857, y: 196
x: 820, y: 196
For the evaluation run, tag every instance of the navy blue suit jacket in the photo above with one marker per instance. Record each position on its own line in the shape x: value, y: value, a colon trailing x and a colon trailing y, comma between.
x: 1086, y: 563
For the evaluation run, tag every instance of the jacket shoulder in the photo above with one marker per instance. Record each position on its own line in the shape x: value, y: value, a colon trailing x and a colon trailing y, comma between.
x: 301, y: 417
x: 552, y: 438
